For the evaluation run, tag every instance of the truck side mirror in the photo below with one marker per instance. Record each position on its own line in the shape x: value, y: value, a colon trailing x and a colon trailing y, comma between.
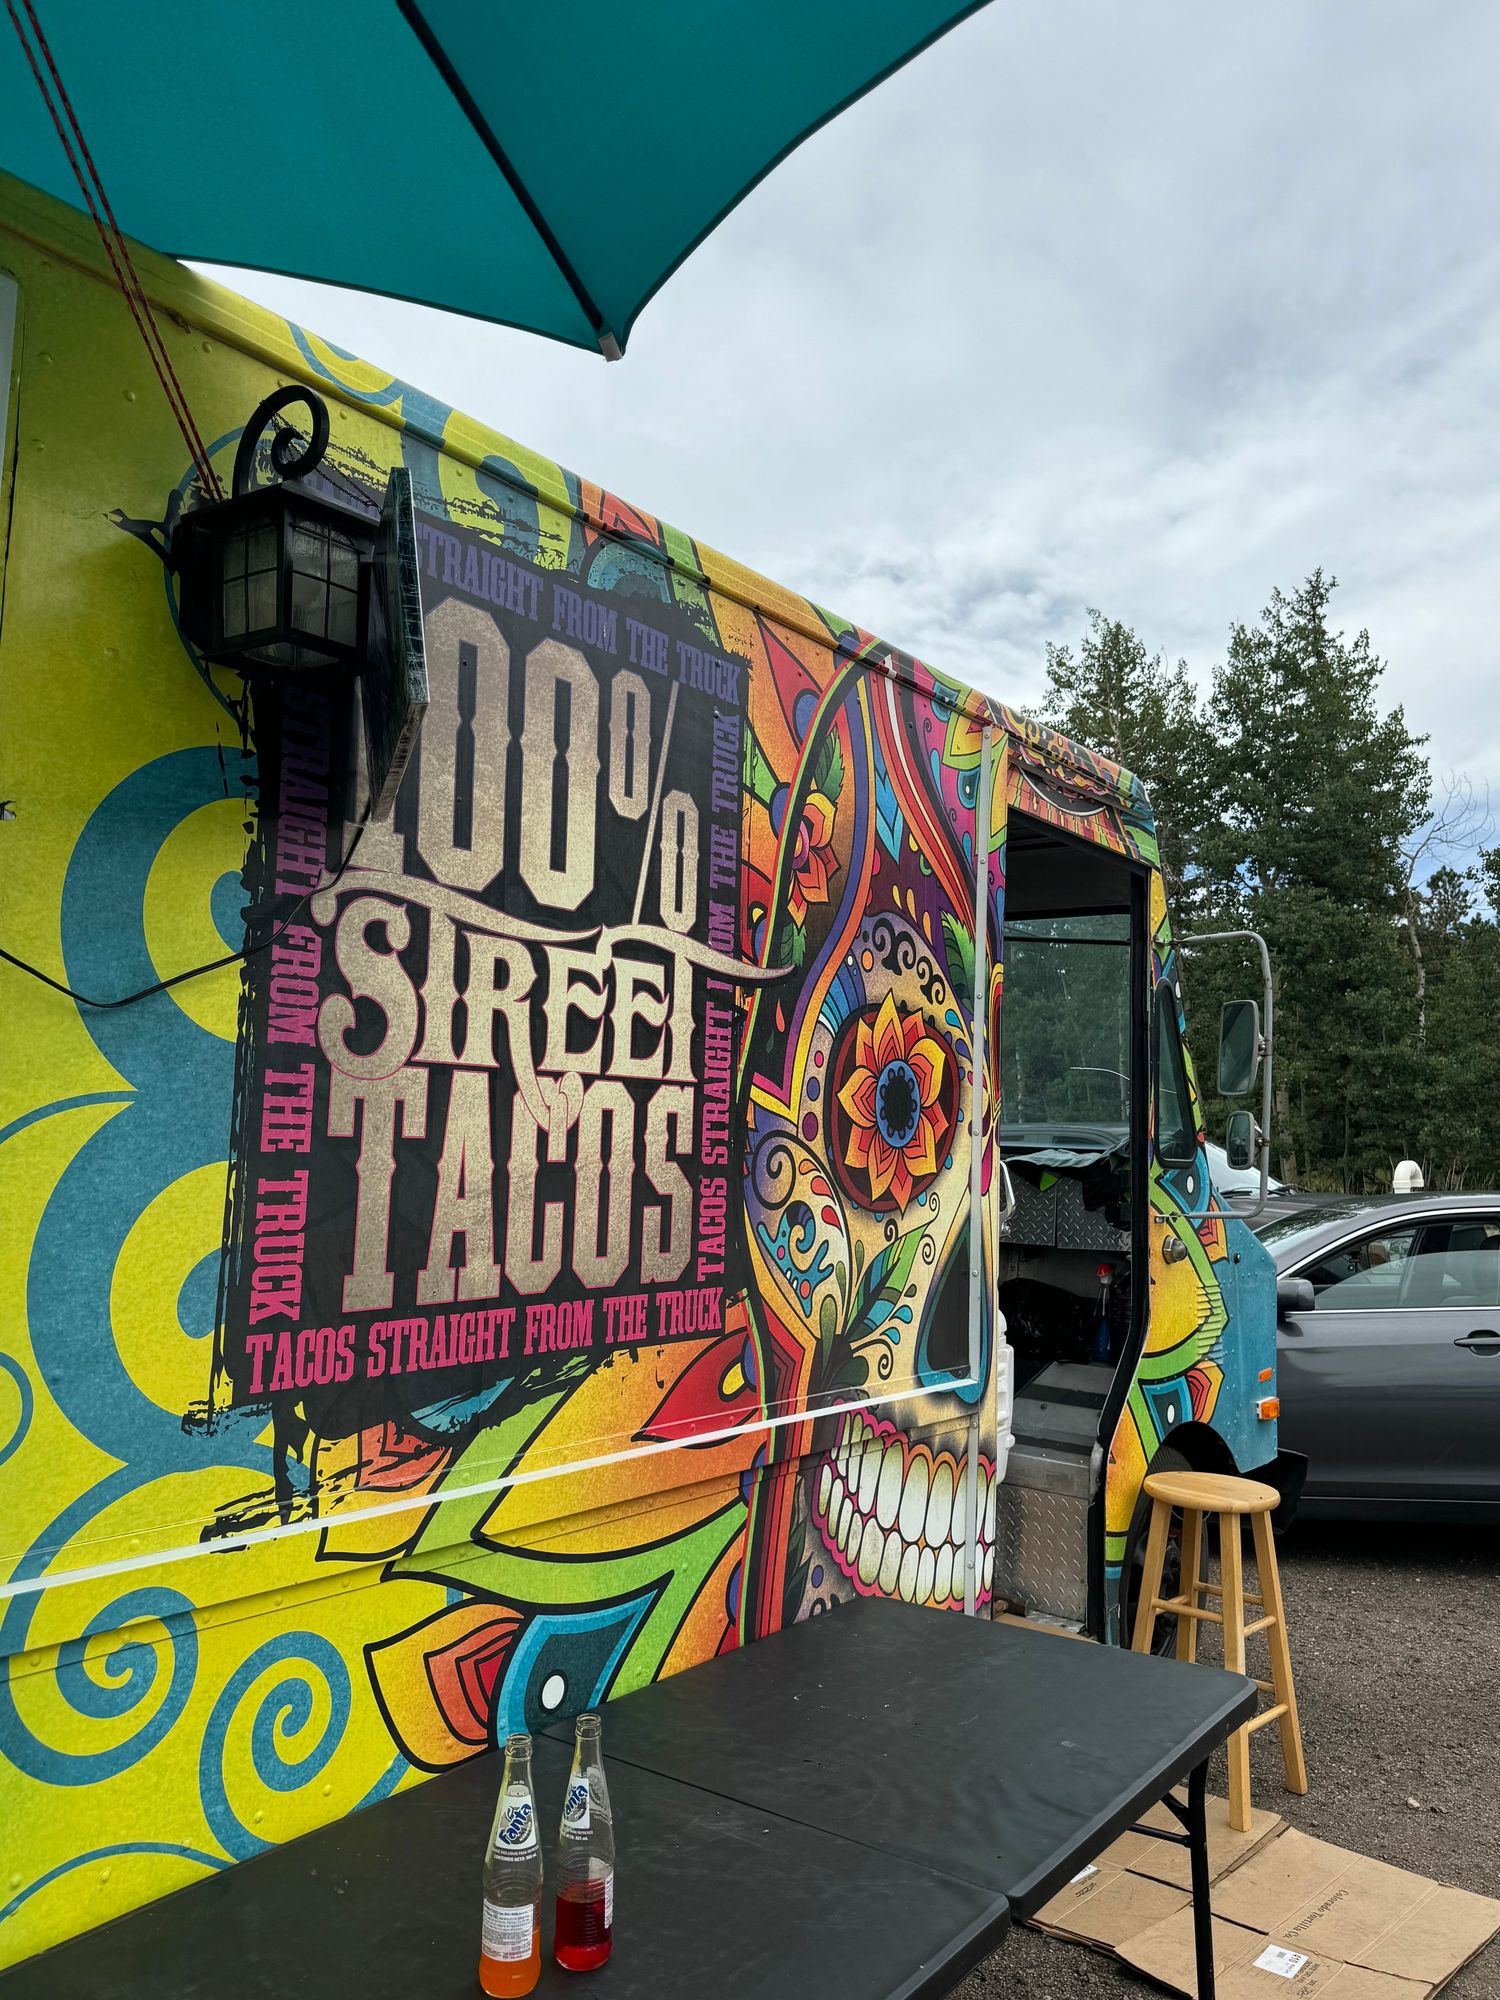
x: 1294, y: 1295
x: 1239, y: 1047
x: 1239, y: 1140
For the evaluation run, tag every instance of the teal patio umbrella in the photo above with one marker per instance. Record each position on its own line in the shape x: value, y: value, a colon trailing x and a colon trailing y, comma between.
x: 544, y: 163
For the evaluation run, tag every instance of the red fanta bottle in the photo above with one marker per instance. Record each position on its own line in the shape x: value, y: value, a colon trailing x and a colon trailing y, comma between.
x: 585, y: 1859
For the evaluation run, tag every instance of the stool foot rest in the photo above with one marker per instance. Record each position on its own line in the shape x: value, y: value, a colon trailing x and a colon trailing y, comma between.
x: 1179, y: 1607
x: 1266, y: 1715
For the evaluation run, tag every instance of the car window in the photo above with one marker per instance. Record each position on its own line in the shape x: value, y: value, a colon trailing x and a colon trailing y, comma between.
x: 1365, y: 1276
x: 1284, y: 1230
x: 1456, y: 1263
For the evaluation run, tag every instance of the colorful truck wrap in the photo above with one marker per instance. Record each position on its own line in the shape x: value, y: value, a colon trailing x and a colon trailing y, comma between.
x: 570, y: 1249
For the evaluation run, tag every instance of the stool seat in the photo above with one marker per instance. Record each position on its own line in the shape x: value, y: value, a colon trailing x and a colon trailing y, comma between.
x: 1198, y: 1495
x: 1213, y: 1492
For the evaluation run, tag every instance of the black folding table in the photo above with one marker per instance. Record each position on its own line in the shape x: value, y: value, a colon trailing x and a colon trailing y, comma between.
x: 857, y: 1806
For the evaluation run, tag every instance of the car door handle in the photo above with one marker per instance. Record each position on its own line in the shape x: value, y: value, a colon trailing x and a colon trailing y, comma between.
x: 1483, y: 1340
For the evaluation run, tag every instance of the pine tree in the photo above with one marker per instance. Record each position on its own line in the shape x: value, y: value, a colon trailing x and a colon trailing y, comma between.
x: 1116, y: 697
x: 1314, y: 791
x: 1294, y: 803
x: 1461, y: 947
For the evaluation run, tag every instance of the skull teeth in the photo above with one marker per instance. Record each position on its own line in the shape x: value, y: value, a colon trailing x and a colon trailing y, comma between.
x: 894, y: 1517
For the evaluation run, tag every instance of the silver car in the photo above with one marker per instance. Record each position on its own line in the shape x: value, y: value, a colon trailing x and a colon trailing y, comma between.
x: 1388, y: 1342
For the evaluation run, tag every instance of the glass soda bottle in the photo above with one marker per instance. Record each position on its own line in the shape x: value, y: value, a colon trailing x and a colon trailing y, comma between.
x: 510, y: 1952
x: 585, y: 1859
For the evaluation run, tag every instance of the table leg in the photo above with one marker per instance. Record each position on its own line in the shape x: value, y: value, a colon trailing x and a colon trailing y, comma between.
x: 1203, y: 1915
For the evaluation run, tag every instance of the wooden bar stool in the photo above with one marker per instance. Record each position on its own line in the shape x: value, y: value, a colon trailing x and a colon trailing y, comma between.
x: 1199, y: 1494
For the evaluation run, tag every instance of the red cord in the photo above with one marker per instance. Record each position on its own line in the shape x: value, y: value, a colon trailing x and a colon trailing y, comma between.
x: 115, y: 246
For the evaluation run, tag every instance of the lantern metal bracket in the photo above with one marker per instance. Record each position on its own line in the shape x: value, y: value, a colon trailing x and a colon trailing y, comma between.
x: 292, y: 455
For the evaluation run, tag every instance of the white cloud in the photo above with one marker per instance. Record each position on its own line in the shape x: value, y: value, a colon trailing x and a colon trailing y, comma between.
x: 1149, y: 308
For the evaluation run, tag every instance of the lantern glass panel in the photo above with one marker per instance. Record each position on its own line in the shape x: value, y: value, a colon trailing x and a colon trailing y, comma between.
x: 309, y: 602
x: 248, y: 580
x: 325, y: 583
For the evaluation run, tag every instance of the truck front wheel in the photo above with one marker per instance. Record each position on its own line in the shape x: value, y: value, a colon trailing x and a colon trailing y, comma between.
x: 1164, y: 1637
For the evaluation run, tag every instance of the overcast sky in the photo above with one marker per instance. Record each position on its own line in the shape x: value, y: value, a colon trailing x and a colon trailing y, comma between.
x: 1148, y: 307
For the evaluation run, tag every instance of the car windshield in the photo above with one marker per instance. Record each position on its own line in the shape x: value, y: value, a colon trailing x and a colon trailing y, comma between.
x: 1284, y: 1231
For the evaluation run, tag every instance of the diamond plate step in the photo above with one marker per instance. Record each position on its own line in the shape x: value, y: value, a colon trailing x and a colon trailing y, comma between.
x: 1041, y: 1550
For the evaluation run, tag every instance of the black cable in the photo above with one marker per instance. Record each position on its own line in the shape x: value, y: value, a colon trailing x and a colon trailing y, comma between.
x: 196, y: 971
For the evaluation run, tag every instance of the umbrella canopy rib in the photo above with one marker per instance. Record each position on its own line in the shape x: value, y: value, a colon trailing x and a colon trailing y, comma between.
x: 438, y: 55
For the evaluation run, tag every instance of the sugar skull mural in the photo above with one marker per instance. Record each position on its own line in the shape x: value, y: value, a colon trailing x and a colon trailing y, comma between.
x: 859, y: 1092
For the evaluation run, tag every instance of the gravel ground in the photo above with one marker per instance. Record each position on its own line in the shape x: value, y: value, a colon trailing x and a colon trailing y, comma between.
x: 1395, y: 1637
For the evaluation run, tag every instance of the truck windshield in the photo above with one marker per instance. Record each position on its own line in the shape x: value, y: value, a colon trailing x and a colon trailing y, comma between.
x: 1065, y: 1040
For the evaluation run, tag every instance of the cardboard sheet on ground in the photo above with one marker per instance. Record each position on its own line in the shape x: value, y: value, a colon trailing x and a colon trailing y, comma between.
x: 1163, y: 1861
x: 1138, y: 1882
x: 1293, y: 1916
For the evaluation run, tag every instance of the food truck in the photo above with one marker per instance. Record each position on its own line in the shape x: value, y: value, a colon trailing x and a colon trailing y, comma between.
x: 706, y: 1136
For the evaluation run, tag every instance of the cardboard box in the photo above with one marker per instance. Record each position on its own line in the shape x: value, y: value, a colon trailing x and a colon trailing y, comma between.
x: 1040, y: 1625
x: 1252, y: 1965
x: 1106, y: 1907
x: 1163, y: 1861
x: 1329, y: 1901
x: 1293, y: 1917
x: 1138, y: 1882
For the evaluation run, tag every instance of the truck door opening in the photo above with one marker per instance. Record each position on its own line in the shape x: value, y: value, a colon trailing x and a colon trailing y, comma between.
x: 1072, y: 1267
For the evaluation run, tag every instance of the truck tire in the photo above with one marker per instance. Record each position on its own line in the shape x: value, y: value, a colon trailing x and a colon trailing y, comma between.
x: 1164, y: 1638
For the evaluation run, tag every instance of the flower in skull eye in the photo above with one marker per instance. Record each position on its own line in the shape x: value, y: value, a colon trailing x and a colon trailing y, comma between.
x: 814, y: 863
x: 897, y: 1091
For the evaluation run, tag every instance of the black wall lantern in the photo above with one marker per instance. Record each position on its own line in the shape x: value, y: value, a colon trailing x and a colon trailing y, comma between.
x: 277, y: 579
x: 280, y: 581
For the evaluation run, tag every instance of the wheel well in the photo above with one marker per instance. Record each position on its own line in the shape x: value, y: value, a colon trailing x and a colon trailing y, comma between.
x: 1203, y: 1448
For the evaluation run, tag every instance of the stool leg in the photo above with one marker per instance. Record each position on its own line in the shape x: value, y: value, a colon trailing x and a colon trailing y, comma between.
x: 1192, y: 1558
x: 1232, y: 1603
x: 1293, y: 1762
x: 1156, y: 1555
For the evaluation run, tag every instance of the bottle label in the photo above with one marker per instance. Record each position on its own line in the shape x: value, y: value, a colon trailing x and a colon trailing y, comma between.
x: 515, y: 1825
x: 575, y: 1815
x: 609, y: 1900
x: 509, y: 1931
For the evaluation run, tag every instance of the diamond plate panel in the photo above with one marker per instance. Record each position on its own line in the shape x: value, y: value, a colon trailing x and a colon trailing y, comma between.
x: 1034, y: 1221
x: 1080, y: 1228
x: 1041, y: 1551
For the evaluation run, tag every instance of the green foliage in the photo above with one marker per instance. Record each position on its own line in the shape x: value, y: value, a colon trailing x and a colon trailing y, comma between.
x: 828, y: 776
x: 958, y: 949
x: 1292, y: 802
x: 759, y: 777
x: 1117, y: 698
x: 878, y: 1299
x: 1488, y: 874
